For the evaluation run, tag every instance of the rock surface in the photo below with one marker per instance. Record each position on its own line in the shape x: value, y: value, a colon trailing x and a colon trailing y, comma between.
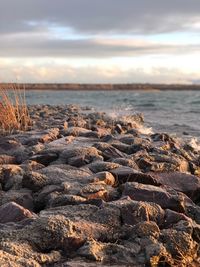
x: 84, y: 189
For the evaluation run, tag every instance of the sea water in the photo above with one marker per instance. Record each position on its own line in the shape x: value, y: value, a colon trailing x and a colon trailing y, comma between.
x: 165, y: 111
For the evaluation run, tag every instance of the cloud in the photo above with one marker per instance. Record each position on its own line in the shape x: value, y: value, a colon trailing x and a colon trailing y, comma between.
x: 92, y: 74
x: 86, y: 48
x: 94, y: 29
x: 97, y: 17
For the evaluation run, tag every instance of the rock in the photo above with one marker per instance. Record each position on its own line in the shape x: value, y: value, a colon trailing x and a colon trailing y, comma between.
x: 173, y: 217
x: 103, y: 177
x: 180, y: 245
x: 22, y: 197
x: 34, y: 181
x: 65, y: 199
x: 186, y: 183
x: 12, y: 212
x: 5, y: 159
x: 30, y: 165
x: 10, y: 176
x: 89, y: 153
x: 118, y: 129
x: 57, y: 174
x: 121, y: 147
x: 167, y: 199
x: 156, y: 254
x: 101, y: 166
x: 23, y: 254
x: 146, y: 228
x: 133, y: 212
x: 95, y: 191
x: 77, y: 131
x: 50, y: 136
x: 45, y: 158
x: 124, y: 174
x: 108, y: 151
x: 102, y: 252
x: 44, y: 197
x: 9, y: 145
x: 126, y: 162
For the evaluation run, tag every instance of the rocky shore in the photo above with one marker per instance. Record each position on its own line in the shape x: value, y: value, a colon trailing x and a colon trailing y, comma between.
x: 83, y: 189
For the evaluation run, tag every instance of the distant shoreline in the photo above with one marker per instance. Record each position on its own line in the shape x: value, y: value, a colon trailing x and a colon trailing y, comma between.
x: 104, y: 87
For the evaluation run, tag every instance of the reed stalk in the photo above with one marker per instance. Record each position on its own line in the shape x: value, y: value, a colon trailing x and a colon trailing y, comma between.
x: 14, y: 115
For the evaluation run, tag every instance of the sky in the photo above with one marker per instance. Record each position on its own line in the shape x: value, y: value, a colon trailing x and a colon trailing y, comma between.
x: 100, y: 41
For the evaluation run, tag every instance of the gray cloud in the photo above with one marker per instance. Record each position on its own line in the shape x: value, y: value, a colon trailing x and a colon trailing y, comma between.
x: 85, y: 48
x: 100, y: 16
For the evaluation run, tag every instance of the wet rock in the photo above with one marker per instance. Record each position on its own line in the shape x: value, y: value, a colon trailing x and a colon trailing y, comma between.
x: 12, y: 212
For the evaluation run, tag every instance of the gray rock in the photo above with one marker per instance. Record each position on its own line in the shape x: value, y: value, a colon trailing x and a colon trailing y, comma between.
x: 12, y: 212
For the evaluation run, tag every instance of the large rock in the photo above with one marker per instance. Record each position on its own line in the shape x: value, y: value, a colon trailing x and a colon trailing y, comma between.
x: 12, y: 212
x: 165, y: 197
x: 133, y: 212
x: 186, y: 183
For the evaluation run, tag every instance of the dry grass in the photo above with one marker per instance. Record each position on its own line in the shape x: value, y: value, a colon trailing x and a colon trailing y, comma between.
x: 14, y: 115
